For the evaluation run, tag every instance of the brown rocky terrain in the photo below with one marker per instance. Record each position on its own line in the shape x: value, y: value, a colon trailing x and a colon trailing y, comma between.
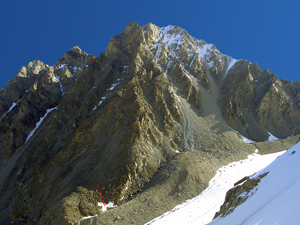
x: 150, y: 120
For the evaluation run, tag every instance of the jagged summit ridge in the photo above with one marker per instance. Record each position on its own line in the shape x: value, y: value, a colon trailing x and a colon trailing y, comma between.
x: 68, y: 68
x: 173, y: 48
x: 35, y: 89
x: 172, y: 43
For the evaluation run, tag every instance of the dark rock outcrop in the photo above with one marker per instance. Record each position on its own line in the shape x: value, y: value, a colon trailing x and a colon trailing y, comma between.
x: 242, y: 190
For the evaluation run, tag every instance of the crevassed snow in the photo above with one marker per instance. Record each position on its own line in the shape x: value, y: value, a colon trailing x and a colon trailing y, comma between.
x: 201, y: 209
x: 39, y: 123
x: 276, y: 199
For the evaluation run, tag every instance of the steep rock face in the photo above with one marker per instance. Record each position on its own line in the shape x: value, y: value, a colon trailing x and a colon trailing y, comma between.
x: 256, y: 103
x: 31, y: 92
x: 119, y: 119
x: 253, y: 101
x: 276, y: 112
x: 293, y: 89
x: 125, y: 132
x: 173, y: 45
x: 70, y: 66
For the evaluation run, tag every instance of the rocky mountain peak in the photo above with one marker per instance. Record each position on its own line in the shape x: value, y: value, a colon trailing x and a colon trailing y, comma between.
x: 130, y: 41
x: 75, y: 56
x: 129, y: 119
x: 36, y: 67
x: 151, y: 33
x: 171, y: 45
x: 131, y: 28
x: 32, y: 91
x: 72, y: 63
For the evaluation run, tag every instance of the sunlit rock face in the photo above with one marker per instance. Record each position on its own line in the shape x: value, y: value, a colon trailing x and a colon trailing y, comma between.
x: 155, y: 95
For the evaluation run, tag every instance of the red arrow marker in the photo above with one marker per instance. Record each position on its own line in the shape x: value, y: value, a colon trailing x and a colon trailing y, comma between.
x: 101, y: 195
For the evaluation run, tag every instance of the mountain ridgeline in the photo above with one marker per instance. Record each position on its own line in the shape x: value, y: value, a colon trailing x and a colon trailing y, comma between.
x: 156, y: 114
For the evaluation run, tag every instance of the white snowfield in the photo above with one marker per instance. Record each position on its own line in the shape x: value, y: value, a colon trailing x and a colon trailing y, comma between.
x: 277, y: 199
x: 277, y: 194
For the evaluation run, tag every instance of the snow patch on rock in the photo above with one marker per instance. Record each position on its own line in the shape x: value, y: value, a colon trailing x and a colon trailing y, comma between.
x: 39, y: 123
x: 201, y: 209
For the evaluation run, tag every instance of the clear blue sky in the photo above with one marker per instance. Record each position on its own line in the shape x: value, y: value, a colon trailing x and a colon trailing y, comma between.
x: 262, y: 31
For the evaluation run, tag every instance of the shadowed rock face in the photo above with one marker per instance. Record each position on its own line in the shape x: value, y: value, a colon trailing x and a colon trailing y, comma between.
x: 255, y: 102
x: 36, y: 88
x: 154, y: 100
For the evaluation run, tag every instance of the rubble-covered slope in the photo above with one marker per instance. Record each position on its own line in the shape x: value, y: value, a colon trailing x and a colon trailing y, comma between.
x: 130, y: 120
